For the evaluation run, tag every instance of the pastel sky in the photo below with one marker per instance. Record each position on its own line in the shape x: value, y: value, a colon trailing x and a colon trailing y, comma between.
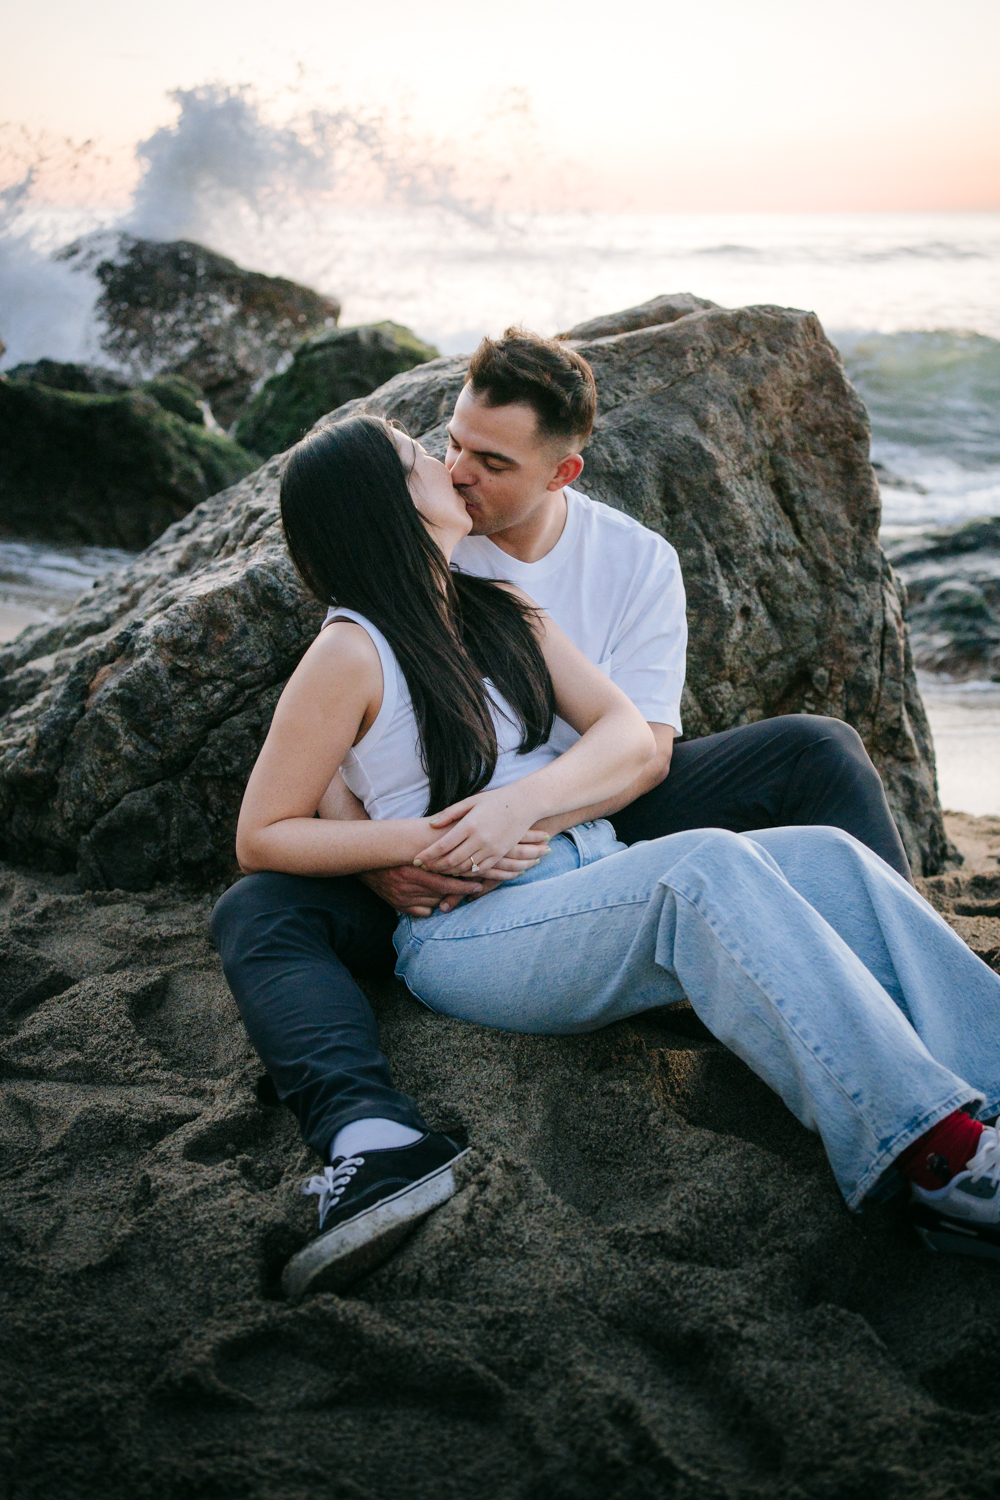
x: 650, y: 104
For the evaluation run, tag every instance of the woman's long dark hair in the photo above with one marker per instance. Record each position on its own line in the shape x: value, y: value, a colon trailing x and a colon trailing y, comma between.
x: 357, y: 540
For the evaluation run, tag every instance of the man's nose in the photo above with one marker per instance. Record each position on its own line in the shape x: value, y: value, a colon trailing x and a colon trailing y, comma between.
x: 462, y: 471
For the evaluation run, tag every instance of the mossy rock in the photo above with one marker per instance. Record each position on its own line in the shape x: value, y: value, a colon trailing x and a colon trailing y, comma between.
x: 176, y: 307
x: 178, y: 395
x: 64, y: 375
x: 325, y: 372
x: 109, y: 471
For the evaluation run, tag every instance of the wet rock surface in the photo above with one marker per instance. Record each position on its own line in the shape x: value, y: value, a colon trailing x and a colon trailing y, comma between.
x: 129, y: 727
x: 325, y: 372
x: 952, y: 579
x: 108, y: 469
x: 175, y: 307
x: 647, y: 1284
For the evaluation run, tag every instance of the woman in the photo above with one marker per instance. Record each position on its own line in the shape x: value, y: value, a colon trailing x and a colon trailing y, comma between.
x: 797, y: 947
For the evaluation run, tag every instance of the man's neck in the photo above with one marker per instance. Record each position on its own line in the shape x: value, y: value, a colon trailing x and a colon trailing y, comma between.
x: 529, y: 541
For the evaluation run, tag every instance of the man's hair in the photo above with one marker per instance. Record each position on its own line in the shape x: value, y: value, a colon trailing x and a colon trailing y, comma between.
x: 556, y: 382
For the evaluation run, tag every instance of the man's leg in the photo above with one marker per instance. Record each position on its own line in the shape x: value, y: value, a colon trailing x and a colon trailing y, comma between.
x: 798, y: 770
x: 289, y: 946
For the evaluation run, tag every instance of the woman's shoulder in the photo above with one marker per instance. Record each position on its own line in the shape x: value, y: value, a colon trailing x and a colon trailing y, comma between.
x: 346, y: 645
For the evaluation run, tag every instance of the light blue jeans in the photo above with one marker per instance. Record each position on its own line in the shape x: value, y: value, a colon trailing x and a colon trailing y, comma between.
x: 799, y: 949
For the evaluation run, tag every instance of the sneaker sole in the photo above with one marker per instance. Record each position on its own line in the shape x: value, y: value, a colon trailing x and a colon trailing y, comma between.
x: 342, y: 1255
x: 948, y: 1237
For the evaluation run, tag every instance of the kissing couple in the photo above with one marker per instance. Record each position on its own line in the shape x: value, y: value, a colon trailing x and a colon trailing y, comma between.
x: 473, y: 773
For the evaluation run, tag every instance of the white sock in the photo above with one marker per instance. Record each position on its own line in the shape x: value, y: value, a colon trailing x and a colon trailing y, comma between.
x: 372, y: 1135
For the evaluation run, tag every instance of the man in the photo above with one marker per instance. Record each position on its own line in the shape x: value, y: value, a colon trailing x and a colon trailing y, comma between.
x: 615, y: 587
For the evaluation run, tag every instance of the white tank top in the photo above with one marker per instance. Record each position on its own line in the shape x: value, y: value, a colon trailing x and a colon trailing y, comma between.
x: 383, y: 769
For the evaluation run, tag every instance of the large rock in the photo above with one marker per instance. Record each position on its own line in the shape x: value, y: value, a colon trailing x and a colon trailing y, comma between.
x: 107, y: 470
x: 176, y: 307
x: 130, y: 726
x: 952, y: 578
x: 325, y: 372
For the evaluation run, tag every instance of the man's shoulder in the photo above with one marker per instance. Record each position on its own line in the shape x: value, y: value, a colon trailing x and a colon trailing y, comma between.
x: 607, y: 527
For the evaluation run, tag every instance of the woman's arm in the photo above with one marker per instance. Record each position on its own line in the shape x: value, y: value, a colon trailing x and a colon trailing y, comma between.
x: 330, y: 701
x: 615, y: 744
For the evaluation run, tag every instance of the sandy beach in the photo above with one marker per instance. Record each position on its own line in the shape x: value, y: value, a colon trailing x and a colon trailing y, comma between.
x: 965, y: 723
x: 647, y: 1284
x: 17, y: 617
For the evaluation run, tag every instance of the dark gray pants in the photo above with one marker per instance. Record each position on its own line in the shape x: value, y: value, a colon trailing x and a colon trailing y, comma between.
x: 292, y: 946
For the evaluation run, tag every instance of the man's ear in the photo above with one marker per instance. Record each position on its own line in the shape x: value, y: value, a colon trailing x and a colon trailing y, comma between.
x: 569, y: 470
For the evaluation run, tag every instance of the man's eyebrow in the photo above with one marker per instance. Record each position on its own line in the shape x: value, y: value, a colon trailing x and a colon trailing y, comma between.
x: 503, y: 458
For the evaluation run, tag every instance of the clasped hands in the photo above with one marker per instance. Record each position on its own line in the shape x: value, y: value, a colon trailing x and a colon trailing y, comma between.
x: 487, y: 839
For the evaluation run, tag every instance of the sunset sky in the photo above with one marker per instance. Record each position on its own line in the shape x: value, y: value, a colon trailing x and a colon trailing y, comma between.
x: 648, y: 104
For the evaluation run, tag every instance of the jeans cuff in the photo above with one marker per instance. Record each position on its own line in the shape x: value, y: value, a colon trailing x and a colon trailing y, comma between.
x: 868, y: 1187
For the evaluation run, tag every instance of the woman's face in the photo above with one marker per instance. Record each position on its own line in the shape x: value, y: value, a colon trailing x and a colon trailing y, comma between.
x: 441, y: 507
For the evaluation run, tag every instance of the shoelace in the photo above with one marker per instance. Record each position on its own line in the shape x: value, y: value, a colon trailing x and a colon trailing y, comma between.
x: 986, y: 1162
x: 329, y: 1188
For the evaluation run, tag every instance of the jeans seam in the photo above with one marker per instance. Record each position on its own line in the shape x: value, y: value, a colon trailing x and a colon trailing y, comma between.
x: 552, y: 916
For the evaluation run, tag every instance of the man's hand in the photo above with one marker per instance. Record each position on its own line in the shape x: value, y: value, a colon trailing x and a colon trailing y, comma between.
x: 419, y: 893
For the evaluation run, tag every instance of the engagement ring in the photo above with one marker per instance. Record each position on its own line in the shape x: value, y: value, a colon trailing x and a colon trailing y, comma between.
x: 475, y: 868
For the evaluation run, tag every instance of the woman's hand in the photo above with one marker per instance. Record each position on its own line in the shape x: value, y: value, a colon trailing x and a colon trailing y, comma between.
x: 490, y: 831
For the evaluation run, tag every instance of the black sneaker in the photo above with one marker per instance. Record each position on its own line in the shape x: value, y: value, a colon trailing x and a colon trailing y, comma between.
x: 367, y: 1204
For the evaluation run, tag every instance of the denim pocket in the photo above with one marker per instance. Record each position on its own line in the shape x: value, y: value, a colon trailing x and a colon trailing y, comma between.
x: 594, y: 840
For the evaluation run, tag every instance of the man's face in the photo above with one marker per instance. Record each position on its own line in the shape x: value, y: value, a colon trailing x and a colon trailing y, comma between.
x: 502, y: 468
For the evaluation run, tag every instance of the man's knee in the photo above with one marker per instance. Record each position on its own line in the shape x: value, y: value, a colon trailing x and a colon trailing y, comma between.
x: 819, y: 730
x: 832, y: 743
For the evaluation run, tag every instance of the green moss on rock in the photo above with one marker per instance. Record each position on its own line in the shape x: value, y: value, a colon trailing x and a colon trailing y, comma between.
x: 111, y: 471
x: 178, y: 395
x: 325, y: 372
x: 63, y: 375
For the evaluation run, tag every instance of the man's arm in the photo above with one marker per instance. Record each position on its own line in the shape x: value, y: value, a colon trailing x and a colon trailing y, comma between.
x: 651, y: 775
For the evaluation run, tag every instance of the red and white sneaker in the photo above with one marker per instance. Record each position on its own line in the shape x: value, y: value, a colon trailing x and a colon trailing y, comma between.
x: 963, y: 1217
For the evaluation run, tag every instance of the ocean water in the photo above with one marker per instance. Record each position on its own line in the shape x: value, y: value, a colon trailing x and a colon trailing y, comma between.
x: 911, y: 300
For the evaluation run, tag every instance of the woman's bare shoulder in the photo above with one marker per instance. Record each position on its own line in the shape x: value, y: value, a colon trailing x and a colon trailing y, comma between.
x: 346, y: 648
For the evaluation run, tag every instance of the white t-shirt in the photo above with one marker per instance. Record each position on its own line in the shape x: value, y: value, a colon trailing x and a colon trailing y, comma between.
x: 385, y: 769
x: 615, y: 588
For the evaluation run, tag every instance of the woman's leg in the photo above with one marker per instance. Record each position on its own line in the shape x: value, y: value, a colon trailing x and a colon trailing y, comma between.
x: 707, y: 915
x: 948, y: 994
